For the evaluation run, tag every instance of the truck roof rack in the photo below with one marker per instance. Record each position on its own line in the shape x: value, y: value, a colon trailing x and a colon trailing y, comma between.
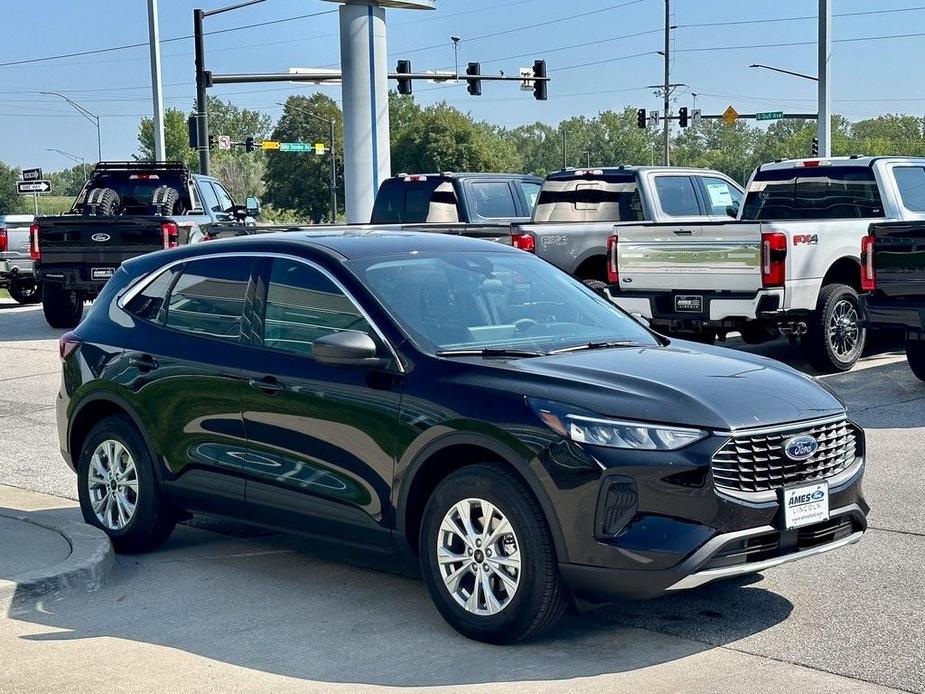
x: 114, y: 166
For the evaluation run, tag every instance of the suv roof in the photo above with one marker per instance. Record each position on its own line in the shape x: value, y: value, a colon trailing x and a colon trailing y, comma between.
x: 455, y: 175
x: 853, y: 160
x: 629, y: 168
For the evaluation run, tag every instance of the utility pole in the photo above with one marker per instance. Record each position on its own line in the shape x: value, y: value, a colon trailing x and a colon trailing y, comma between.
x: 333, y: 154
x: 564, y: 148
x: 824, y: 122
x: 667, y: 87
x: 157, y: 93
x: 202, y: 117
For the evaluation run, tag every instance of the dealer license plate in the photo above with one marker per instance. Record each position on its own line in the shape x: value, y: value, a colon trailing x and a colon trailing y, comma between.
x: 806, y: 505
x: 102, y: 273
x: 688, y: 304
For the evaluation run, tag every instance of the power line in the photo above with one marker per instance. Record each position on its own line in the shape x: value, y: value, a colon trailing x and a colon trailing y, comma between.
x: 127, y: 46
x: 794, y: 19
x: 799, y: 43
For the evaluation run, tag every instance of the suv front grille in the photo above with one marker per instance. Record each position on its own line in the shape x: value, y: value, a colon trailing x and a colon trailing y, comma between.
x: 754, y: 463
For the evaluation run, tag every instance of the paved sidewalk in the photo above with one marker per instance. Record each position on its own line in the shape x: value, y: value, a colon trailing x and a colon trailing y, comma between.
x: 45, y: 547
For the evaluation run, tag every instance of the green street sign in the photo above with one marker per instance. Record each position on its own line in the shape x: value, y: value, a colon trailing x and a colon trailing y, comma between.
x: 769, y: 115
x: 296, y: 147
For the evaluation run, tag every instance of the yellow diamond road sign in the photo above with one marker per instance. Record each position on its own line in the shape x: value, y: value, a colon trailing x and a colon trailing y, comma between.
x: 269, y: 144
x: 730, y: 115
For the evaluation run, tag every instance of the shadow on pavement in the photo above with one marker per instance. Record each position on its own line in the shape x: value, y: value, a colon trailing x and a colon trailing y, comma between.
x: 302, y: 609
x: 24, y: 324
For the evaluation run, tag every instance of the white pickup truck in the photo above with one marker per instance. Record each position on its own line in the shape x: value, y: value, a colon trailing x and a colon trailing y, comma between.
x: 789, y: 265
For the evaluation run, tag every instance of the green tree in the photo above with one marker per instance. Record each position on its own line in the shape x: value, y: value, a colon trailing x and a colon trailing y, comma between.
x: 176, y: 139
x: 887, y: 134
x: 68, y: 182
x: 11, y: 202
x: 241, y: 172
x: 301, y: 181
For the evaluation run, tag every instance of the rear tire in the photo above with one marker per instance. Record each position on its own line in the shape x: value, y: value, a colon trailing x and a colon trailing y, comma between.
x: 62, y: 307
x: 834, y: 340
x: 167, y: 198
x: 915, y: 355
x: 130, y: 507
x: 26, y: 292
x: 755, y: 333
x: 526, y: 600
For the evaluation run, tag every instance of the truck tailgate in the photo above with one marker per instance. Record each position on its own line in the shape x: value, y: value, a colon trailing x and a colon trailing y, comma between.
x: 704, y: 256
x: 899, y: 259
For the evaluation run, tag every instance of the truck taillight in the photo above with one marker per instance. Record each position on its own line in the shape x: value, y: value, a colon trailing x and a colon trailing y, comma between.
x: 171, y: 234
x: 613, y: 274
x: 67, y: 343
x: 35, y: 251
x: 868, y: 278
x: 524, y: 242
x: 3, y: 240
x: 773, y: 258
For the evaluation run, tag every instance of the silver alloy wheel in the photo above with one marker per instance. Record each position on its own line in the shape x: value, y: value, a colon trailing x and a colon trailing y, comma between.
x: 843, y: 329
x: 479, y: 557
x: 112, y: 482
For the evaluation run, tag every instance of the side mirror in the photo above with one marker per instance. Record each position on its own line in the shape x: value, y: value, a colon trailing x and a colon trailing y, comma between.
x: 252, y: 206
x: 347, y: 349
x: 732, y: 211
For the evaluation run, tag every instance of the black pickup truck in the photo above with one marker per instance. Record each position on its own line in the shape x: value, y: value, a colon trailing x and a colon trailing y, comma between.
x: 126, y: 209
x: 893, y: 277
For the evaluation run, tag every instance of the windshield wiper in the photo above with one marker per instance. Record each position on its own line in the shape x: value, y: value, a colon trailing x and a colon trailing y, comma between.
x: 597, y: 345
x: 489, y: 352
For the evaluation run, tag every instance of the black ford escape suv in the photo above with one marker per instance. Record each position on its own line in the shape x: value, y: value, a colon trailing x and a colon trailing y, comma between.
x: 454, y: 397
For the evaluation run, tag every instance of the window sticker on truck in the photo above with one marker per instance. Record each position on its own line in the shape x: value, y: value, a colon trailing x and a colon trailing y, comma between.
x: 805, y: 239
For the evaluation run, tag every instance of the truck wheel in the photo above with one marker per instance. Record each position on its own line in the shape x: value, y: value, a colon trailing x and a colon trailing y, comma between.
x: 63, y: 308
x: 915, y: 354
x: 595, y: 286
x: 26, y: 292
x: 106, y: 201
x: 167, y: 198
x: 834, y: 338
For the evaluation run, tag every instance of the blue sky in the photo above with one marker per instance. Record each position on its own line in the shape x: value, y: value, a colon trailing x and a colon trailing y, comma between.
x: 869, y: 76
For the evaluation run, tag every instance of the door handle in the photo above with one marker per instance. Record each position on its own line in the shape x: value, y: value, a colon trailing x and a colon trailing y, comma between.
x: 684, y: 232
x: 143, y: 363
x: 267, y: 385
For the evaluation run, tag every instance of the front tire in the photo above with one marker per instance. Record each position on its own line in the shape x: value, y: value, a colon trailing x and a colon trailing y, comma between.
x: 63, y: 308
x: 488, y: 559
x: 26, y: 291
x: 915, y: 355
x: 835, y: 339
x: 118, y: 490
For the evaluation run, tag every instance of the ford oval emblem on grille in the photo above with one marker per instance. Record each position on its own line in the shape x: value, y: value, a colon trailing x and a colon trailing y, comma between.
x: 800, y: 447
x: 100, y: 238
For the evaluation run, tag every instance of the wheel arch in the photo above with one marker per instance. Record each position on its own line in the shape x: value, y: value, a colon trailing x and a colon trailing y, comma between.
x: 92, y: 410
x: 592, y: 267
x: 845, y: 270
x: 440, y: 458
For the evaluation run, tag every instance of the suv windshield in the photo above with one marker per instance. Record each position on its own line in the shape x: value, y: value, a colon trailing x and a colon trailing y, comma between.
x: 485, y: 300
x: 818, y: 192
x: 602, y: 197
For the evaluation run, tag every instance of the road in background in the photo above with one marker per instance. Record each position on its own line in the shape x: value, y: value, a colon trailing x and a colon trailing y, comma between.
x: 235, y: 608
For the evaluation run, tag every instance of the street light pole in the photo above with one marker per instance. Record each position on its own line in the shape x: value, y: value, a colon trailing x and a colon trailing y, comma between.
x: 92, y: 117
x: 456, y: 40
x: 157, y: 93
x: 73, y: 157
x: 667, y: 87
x: 824, y: 108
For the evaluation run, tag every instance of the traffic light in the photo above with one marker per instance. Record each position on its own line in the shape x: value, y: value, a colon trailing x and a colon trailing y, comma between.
x: 641, y: 120
x: 682, y: 117
x: 192, y: 124
x: 815, y: 146
x: 540, y: 91
x: 405, y: 86
x: 249, y: 144
x: 474, y: 71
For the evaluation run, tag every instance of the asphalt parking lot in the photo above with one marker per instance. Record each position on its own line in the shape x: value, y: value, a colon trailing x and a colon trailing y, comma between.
x: 225, y: 607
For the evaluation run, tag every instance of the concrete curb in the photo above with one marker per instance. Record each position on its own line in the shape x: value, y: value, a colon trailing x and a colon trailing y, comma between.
x: 86, y: 567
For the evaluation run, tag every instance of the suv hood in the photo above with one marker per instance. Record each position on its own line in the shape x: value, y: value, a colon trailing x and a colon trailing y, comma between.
x: 682, y: 383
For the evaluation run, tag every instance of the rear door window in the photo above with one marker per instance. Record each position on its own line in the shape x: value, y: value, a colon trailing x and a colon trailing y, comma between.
x: 676, y: 196
x: 813, y: 192
x: 209, y: 198
x: 604, y: 197
x: 225, y: 203
x: 911, y: 183
x: 303, y: 304
x: 209, y: 296
x: 722, y: 197
x: 493, y: 199
x: 531, y: 191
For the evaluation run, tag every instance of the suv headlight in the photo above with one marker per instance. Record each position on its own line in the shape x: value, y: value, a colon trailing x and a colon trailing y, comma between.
x: 612, y: 433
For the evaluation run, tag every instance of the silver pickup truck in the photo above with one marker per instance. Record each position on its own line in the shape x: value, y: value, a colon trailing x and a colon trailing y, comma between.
x: 790, y: 265
x: 577, y: 208
x: 16, y: 273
